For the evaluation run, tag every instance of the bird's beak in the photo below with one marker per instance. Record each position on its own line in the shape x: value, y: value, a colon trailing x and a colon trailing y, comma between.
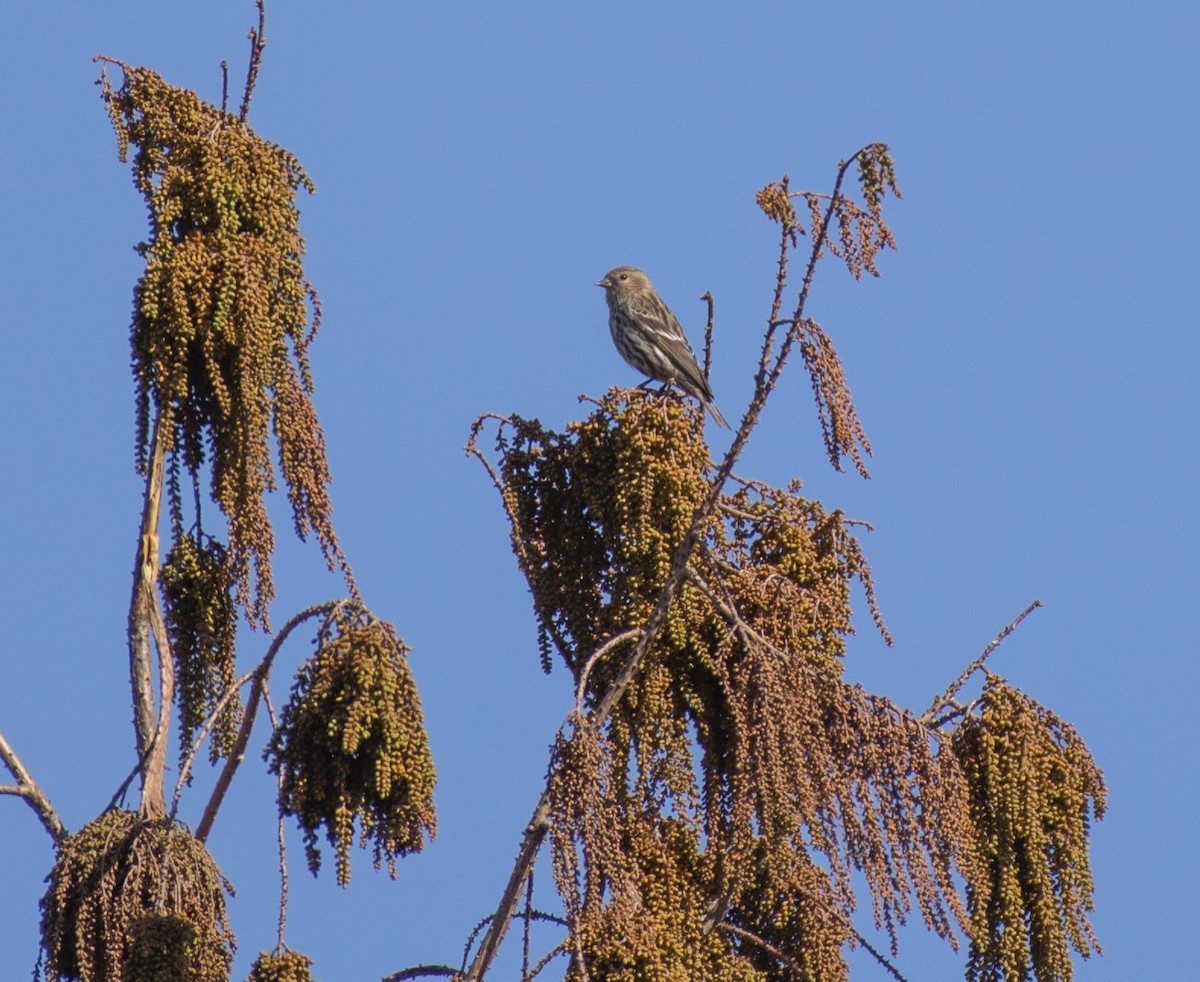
x: 604, y: 283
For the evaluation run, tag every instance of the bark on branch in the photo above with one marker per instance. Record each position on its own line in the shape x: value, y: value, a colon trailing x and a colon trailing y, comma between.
x: 27, y: 788
x: 145, y: 622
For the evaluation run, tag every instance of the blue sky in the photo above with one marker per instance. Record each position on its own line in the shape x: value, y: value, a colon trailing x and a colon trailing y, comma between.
x: 1025, y: 368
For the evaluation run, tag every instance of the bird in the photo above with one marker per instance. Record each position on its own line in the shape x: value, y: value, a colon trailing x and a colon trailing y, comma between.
x: 648, y: 335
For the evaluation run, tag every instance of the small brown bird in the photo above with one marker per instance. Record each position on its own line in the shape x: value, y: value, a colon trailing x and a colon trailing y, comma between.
x: 649, y: 337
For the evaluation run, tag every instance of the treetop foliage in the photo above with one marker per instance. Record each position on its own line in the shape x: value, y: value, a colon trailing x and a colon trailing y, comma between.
x: 738, y: 740
x: 719, y: 797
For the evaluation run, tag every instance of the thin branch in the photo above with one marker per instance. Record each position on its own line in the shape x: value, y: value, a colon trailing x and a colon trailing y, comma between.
x: 560, y: 949
x: 281, y: 831
x: 958, y: 710
x: 185, y: 769
x: 118, y: 797
x: 27, y: 788
x: 237, y: 754
x: 797, y: 322
x: 532, y: 914
x: 766, y: 946
x: 224, y: 86
x: 258, y: 41
x: 892, y: 970
x: 596, y: 655
x: 947, y: 697
x: 418, y: 971
x: 528, y: 919
x: 787, y: 239
x: 750, y: 637
x: 708, y: 333
x: 166, y: 677
x: 535, y: 833
x: 471, y: 940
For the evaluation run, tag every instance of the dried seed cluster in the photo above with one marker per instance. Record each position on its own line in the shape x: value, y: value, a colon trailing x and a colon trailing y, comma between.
x: 162, y: 948
x: 132, y: 899
x: 740, y: 770
x: 201, y: 619
x: 351, y: 745
x: 220, y: 331
x: 287, y: 966
x: 859, y: 233
x: 1033, y: 789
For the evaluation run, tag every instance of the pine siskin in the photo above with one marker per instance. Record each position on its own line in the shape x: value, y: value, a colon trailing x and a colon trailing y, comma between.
x: 649, y: 337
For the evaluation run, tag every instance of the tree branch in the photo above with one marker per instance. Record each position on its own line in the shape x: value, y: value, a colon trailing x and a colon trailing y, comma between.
x: 185, y: 768
x: 559, y: 949
x: 237, y: 754
x: 280, y: 831
x: 595, y: 656
x: 143, y: 606
x: 535, y: 833
x: 418, y: 971
x: 766, y: 946
x: 708, y: 333
x: 258, y: 41
x: 27, y: 788
x: 947, y: 697
x: 892, y: 970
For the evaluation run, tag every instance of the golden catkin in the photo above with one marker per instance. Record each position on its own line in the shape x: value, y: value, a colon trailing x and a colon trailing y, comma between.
x: 133, y: 899
x: 1034, y: 789
x: 162, y: 948
x: 221, y: 320
x: 720, y: 818
x: 652, y: 929
x: 201, y: 621
x: 352, y: 748
x: 738, y: 740
x: 859, y: 233
x: 287, y: 966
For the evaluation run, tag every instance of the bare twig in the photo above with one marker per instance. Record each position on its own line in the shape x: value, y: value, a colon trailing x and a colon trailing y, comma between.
x: 118, y: 797
x: 281, y: 831
x: 750, y: 637
x: 185, y: 768
x: 237, y: 754
x: 559, y: 949
x: 471, y: 941
x: 27, y: 788
x: 708, y: 333
x: 947, y: 697
x: 418, y: 971
x: 892, y: 970
x: 527, y: 917
x: 769, y: 948
x: 595, y: 656
x: 535, y: 833
x: 258, y: 41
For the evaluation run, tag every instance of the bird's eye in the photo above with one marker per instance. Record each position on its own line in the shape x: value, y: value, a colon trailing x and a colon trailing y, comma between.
x: 623, y: 276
